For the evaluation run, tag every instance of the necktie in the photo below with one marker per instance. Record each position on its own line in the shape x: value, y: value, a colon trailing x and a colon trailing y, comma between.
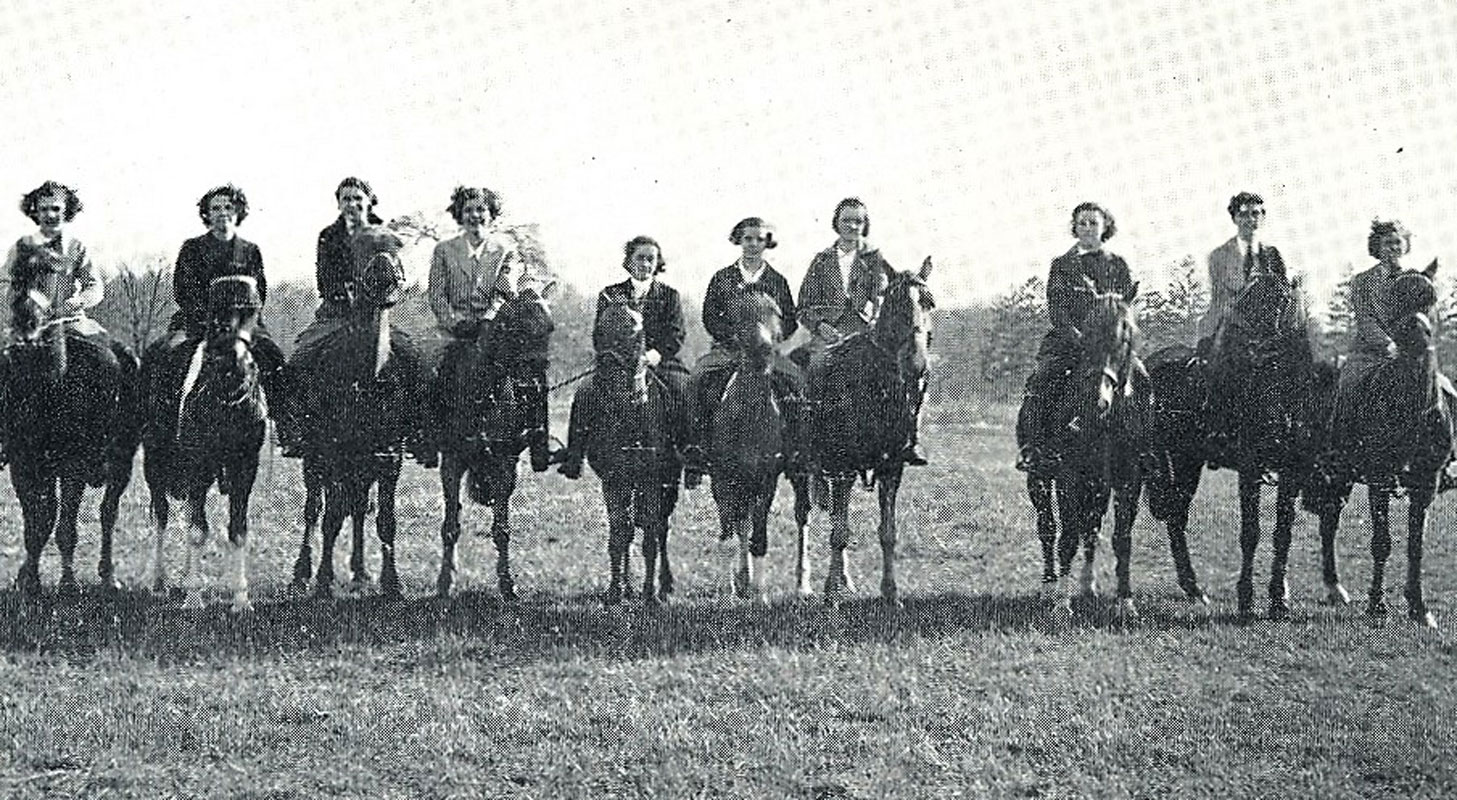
x: 1249, y: 260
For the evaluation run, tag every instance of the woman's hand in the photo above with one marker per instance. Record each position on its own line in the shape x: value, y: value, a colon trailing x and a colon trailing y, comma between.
x: 653, y: 358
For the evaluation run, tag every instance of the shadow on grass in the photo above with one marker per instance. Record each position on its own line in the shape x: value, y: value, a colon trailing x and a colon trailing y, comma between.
x: 480, y: 626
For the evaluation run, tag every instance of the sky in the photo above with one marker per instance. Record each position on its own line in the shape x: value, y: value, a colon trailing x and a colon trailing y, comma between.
x: 970, y: 129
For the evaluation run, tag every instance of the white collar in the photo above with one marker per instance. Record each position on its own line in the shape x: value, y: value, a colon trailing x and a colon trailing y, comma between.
x: 39, y: 239
x: 751, y: 277
x: 1245, y: 247
x: 1082, y: 251
x: 640, y: 288
x: 477, y: 251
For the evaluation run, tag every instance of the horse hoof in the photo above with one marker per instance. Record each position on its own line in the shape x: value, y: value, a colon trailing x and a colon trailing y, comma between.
x: 612, y: 597
x: 324, y: 590
x: 242, y: 605
x: 194, y: 601
x: 389, y: 588
x: 68, y: 588
x: 1336, y: 595
x: 1127, y: 609
x: 1376, y: 609
x: 27, y: 584
x: 1279, y: 611
x: 298, y: 588
x: 1422, y: 617
x: 109, y: 587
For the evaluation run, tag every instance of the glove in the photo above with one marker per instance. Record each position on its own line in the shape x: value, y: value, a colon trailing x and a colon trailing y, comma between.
x: 653, y: 358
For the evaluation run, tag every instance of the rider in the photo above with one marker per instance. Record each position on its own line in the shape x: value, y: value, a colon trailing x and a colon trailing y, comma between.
x: 840, y: 294
x: 1086, y: 263
x: 57, y: 266
x: 221, y: 252
x: 721, y: 317
x: 334, y: 264
x: 472, y: 276
x: 663, y: 332
x: 1371, y: 305
x: 1231, y: 266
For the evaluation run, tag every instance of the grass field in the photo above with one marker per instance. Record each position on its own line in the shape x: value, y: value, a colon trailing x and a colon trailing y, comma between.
x: 969, y: 690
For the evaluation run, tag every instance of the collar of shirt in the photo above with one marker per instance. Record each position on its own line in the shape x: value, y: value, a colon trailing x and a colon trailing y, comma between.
x: 752, y: 277
x: 479, y: 251
x: 1245, y: 247
x: 39, y: 239
x: 640, y: 288
x: 1082, y: 251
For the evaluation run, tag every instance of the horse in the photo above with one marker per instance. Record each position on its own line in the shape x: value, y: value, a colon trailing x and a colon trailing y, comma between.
x: 750, y: 441
x: 630, y: 448
x: 488, y: 426
x: 1400, y: 437
x: 68, y: 426
x: 1101, y: 421
x: 361, y: 395
x: 204, y: 424
x: 862, y: 396
x: 1266, y: 367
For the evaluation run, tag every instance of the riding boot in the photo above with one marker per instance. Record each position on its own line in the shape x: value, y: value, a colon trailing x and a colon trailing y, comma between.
x: 126, y: 435
x: 695, y: 459
x: 913, y: 455
x: 533, y: 399
x: 1029, y: 432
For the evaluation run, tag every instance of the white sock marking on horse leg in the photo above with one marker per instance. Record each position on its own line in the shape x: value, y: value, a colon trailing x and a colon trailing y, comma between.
x: 382, y: 341
x: 241, y: 602
x: 756, y: 579
x: 157, y: 579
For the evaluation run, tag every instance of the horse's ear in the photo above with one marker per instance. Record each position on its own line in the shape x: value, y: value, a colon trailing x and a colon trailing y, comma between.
x: 1431, y: 270
x: 1131, y: 293
x: 925, y: 269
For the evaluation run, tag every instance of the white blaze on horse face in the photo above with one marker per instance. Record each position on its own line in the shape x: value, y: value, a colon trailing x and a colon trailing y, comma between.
x: 382, y: 341
x: 189, y: 381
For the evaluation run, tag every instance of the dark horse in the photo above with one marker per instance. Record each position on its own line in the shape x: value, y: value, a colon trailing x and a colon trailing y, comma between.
x: 1399, y: 437
x: 862, y: 395
x: 360, y: 392
x: 1098, y: 432
x: 750, y: 441
x: 632, y: 452
x: 1265, y: 369
x: 204, y: 424
x: 488, y: 426
x: 66, y: 429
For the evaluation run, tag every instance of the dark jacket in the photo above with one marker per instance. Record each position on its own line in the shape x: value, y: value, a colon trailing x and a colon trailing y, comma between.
x: 720, y: 302
x: 334, y: 265
x: 200, y: 261
x: 822, y: 295
x: 662, y: 312
x: 1066, y: 305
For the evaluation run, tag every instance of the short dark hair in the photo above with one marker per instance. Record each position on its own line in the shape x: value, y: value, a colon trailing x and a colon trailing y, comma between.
x: 736, y: 236
x: 361, y: 184
x: 464, y: 194
x: 30, y: 203
x: 638, y: 241
x: 233, y: 193
x: 1244, y: 199
x: 850, y: 202
x: 1379, y: 230
x: 1110, y: 227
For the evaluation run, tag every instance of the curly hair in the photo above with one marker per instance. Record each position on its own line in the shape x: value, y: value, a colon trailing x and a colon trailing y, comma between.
x: 736, y: 236
x: 850, y: 202
x: 1110, y: 227
x: 639, y: 241
x: 233, y: 193
x: 464, y: 194
x: 1244, y: 199
x: 30, y: 203
x: 362, y: 185
x: 1380, y: 229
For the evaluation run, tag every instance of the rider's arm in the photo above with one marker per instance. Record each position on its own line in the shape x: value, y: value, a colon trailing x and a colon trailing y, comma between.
x: 820, y: 295
x: 1060, y: 283
x: 439, y: 289
x: 666, y: 335
x: 12, y: 263
x: 89, y: 286
x: 188, y: 288
x: 718, y: 307
x: 1371, y: 335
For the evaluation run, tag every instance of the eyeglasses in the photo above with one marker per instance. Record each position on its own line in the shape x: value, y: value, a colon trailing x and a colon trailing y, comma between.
x: 754, y: 238
x: 1251, y: 212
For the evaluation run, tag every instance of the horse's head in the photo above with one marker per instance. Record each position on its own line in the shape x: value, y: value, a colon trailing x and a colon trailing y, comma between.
x: 379, y: 275
x: 759, y: 329
x: 1109, y: 339
x: 903, y: 323
x: 1267, y: 306
x: 229, y: 373
x: 1413, y: 296
x: 619, y: 341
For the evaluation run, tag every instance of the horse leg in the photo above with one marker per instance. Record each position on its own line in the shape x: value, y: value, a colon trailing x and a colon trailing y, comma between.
x: 665, y: 512
x: 652, y: 521
x: 1125, y: 513
x: 303, y: 566
x: 1285, y: 493
x: 1186, y: 474
x: 38, y: 508
x: 109, y: 512
x: 1095, y: 504
x: 358, y: 498
x: 337, y: 504
x: 1329, y: 510
x: 1416, y: 604
x: 73, y: 487
x: 1040, y: 492
x: 1379, y: 498
x: 837, y: 579
x: 758, y: 509
x: 193, y: 581
x: 161, y: 511
x: 1070, y: 500
x: 385, y: 526
x: 800, y: 483
x: 726, y: 498
x: 1249, y: 539
x: 618, y: 499
x: 890, y: 484
x: 501, y: 536
x: 451, y: 470
x: 238, y: 496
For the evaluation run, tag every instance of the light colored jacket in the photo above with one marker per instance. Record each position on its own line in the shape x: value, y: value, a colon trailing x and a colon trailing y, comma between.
x: 68, y: 278
x: 461, y: 287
